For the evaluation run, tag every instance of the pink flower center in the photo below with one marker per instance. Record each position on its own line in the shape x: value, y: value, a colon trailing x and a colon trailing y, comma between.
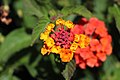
x: 62, y: 37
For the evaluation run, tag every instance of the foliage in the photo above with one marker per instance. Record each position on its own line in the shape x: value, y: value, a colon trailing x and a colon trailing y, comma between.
x: 20, y: 57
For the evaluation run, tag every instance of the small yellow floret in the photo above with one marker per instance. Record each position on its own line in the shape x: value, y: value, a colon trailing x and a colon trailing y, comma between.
x: 50, y: 26
x: 43, y: 36
x: 55, y: 49
x: 77, y: 38
x: 84, y: 41
x: 60, y: 22
x: 74, y: 46
x: 44, y: 51
x: 69, y: 24
x: 49, y: 42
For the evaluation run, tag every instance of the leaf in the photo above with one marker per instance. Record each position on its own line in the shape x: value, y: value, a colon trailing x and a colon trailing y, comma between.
x: 69, y: 70
x: 79, y: 10
x: 109, y: 65
x: 29, y: 9
x: 32, y: 70
x: 7, y: 75
x: 88, y: 75
x: 114, y: 73
x: 54, y: 66
x: 115, y: 12
x: 31, y: 13
x: 64, y: 3
x: 14, y: 42
x: 100, y: 9
x: 39, y: 28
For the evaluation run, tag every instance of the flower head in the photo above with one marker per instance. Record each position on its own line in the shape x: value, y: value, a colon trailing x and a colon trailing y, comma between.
x: 97, y: 48
x: 62, y: 39
x: 88, y: 42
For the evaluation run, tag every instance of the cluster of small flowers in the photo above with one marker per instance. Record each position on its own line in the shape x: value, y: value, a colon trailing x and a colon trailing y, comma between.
x: 88, y: 42
x: 100, y: 43
x: 59, y: 39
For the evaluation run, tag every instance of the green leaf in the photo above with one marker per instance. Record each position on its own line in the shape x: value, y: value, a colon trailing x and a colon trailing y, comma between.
x: 34, y: 9
x: 109, y: 65
x: 79, y: 10
x: 52, y: 59
x: 115, y: 12
x: 39, y: 28
x: 30, y: 21
x: 64, y: 3
x: 69, y: 70
x: 88, y: 75
x: 31, y: 13
x: 31, y: 70
x: 7, y: 75
x: 29, y: 9
x: 100, y: 9
x: 114, y: 73
x: 15, y: 41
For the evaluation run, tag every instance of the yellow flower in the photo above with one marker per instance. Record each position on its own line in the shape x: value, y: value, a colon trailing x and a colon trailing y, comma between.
x: 44, y: 36
x: 77, y: 38
x: 74, y: 46
x: 55, y: 49
x: 49, y: 42
x: 50, y: 26
x: 60, y: 22
x: 84, y: 41
x: 82, y: 44
x: 44, y: 51
x: 69, y: 24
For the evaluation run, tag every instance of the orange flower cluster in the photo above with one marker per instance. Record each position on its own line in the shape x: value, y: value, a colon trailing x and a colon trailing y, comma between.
x: 100, y: 43
x: 60, y: 39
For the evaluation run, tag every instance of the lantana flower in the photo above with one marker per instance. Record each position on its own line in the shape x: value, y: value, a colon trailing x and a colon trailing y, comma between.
x: 61, y: 39
x: 88, y: 42
x: 100, y: 43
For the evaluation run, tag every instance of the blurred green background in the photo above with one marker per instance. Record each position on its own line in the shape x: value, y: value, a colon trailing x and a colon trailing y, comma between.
x: 21, y: 61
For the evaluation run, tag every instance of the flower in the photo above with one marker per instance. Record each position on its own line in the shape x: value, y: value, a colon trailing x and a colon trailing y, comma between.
x: 69, y: 24
x: 62, y: 39
x: 44, y: 36
x: 60, y: 22
x: 4, y: 13
x: 78, y: 29
x: 94, y: 43
x: 50, y: 26
x: 49, y: 42
x: 88, y: 41
x: 66, y: 55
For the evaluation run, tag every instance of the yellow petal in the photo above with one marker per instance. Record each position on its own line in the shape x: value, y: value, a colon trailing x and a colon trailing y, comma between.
x: 69, y: 24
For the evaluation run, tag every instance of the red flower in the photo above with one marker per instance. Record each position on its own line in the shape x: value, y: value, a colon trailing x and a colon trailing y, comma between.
x: 91, y: 26
x: 91, y: 61
x: 78, y: 29
x: 95, y: 45
x: 101, y: 56
x: 99, y: 47
x: 106, y: 46
x: 85, y: 53
x: 80, y: 62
